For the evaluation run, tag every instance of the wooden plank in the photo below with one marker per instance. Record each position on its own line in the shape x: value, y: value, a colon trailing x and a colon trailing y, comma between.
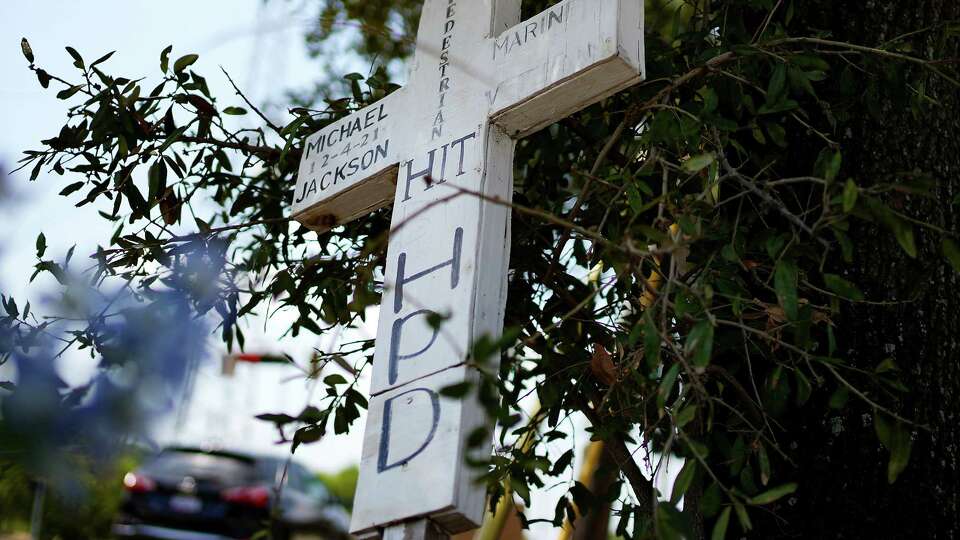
x: 356, y: 201
x: 414, y: 457
x: 421, y: 529
x: 563, y: 60
x: 348, y: 168
x: 418, y: 529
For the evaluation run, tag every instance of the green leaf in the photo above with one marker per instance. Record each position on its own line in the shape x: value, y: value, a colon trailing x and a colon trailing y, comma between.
x: 671, y: 524
x: 27, y: 50
x: 44, y: 78
x: 710, y: 99
x: 520, y: 488
x: 184, y: 62
x: 800, y: 81
x: 952, y: 253
x: 278, y: 419
x: 236, y: 111
x: 886, y: 365
x: 103, y: 58
x: 884, y: 429
x: 10, y: 306
x: 850, y: 193
x: 896, y: 437
x: 900, y: 227
x: 71, y: 188
x: 775, y: 245
x: 666, y: 385
x: 456, y: 390
x: 778, y: 134
x: 683, y: 481
x: 742, y: 516
x: 436, y: 320
x: 157, y: 181
x: 833, y: 166
x: 776, y: 89
x: 171, y: 139
x: 685, y: 416
x: 839, y: 398
x: 699, y: 162
x: 77, y: 59
x: 306, y: 435
x: 782, y: 106
x: 842, y: 287
x: 138, y: 205
x: 651, y: 342
x: 35, y: 173
x: 904, y: 233
x: 700, y: 343
x: 69, y: 92
x: 764, y: 460
x: 335, y: 379
x: 165, y: 58
x: 41, y: 245
x: 562, y: 463
x: 785, y: 283
x: 772, y: 495
x: 202, y: 225
x: 720, y: 528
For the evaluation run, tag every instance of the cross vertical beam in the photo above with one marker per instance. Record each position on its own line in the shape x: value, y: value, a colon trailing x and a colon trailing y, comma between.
x: 480, y: 79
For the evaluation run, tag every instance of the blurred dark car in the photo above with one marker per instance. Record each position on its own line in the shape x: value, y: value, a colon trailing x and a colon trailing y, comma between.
x: 192, y: 494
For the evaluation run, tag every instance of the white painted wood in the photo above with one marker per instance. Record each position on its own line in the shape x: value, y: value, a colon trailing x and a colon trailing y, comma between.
x: 570, y: 56
x: 421, y: 529
x: 478, y: 81
x: 413, y: 458
x: 590, y: 50
x: 349, y: 168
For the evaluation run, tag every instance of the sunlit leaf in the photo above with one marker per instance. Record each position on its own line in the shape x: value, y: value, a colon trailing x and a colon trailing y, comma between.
x: 698, y: 163
x: 774, y: 494
x: 26, y: 49
x: 785, y: 283
x: 843, y: 287
x: 952, y: 252
x: 184, y: 62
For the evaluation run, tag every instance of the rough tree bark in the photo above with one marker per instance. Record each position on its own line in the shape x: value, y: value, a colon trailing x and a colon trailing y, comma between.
x: 844, y: 491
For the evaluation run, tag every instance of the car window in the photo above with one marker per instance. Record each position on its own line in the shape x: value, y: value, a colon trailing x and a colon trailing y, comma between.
x: 174, y: 463
x: 269, y: 470
x: 317, y: 489
x: 297, y: 480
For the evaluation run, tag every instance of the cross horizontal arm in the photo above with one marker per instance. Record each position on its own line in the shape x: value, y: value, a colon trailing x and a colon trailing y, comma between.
x: 564, y: 59
x: 349, y: 168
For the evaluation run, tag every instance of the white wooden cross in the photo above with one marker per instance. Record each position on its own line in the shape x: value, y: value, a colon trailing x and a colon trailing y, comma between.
x: 480, y: 79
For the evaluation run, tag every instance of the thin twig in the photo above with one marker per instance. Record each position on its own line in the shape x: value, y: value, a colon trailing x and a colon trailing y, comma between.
x: 251, y: 105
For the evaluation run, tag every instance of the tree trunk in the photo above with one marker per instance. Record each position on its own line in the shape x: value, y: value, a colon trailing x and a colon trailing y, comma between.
x: 844, y: 491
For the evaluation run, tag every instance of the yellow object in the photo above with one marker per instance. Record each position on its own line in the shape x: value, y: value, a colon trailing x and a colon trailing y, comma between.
x: 655, y: 279
x: 493, y: 524
x: 590, y: 463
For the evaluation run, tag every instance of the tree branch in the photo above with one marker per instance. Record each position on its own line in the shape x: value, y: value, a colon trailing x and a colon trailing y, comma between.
x: 643, y: 489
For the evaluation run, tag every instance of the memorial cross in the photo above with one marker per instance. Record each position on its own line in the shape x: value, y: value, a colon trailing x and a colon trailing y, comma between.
x: 480, y: 79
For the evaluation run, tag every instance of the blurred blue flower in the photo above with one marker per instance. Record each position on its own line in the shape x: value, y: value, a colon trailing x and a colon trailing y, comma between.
x: 146, y: 343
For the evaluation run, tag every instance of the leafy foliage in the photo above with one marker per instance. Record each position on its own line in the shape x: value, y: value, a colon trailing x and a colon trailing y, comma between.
x: 715, y: 196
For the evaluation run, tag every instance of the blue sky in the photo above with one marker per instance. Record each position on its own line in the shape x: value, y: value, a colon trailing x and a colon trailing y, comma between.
x: 262, y: 48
